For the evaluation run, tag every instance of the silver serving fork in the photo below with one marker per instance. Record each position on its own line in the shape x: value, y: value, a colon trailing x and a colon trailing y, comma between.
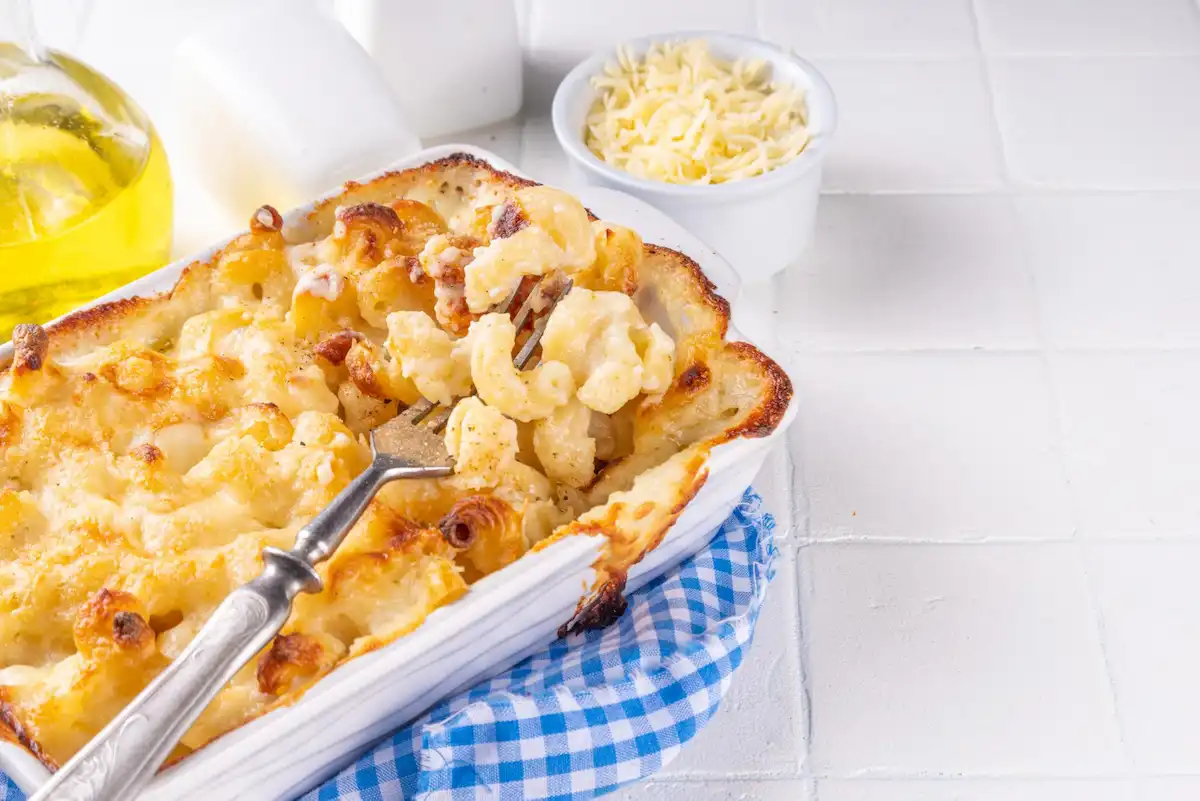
x: 124, y: 756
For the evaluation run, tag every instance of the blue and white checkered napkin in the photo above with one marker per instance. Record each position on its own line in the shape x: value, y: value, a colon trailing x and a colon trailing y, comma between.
x: 594, y: 711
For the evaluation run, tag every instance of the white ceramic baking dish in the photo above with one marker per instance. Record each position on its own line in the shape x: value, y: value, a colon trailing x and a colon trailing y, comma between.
x: 289, y: 750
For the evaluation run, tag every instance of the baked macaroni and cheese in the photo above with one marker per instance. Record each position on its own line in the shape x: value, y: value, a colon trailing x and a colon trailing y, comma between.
x: 151, y: 448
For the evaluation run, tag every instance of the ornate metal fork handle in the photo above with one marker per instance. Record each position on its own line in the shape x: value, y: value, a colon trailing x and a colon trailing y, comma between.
x: 125, y: 755
x: 127, y: 752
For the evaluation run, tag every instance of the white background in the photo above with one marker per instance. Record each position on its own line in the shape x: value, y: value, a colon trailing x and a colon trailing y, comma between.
x: 991, y: 505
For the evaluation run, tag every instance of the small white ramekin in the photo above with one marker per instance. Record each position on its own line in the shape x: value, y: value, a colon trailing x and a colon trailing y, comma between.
x: 761, y: 224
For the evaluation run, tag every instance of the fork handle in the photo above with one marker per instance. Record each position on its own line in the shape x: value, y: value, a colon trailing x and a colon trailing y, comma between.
x: 325, y: 532
x: 125, y: 755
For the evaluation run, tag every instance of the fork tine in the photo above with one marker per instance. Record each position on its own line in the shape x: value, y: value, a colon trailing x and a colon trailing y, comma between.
x: 421, y: 410
x: 539, y: 327
x: 506, y: 305
x: 417, y: 412
x: 522, y: 316
x: 538, y: 296
x: 438, y: 416
x: 438, y: 421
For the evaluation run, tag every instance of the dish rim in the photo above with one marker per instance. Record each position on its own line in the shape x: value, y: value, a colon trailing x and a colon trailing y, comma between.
x: 29, y: 773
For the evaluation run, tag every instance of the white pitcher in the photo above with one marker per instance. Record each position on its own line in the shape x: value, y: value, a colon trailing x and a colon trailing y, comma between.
x: 453, y: 65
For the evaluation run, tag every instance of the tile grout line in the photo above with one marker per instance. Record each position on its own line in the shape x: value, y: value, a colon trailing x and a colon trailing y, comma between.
x: 933, y: 776
x: 802, y: 578
x: 1017, y: 190
x: 918, y: 776
x: 798, y: 564
x: 1043, y: 350
x: 1004, y: 55
x: 801, y: 350
x: 797, y: 657
x: 1102, y: 634
x: 1081, y: 552
x: 985, y: 73
x: 1054, y: 410
x: 1095, y: 539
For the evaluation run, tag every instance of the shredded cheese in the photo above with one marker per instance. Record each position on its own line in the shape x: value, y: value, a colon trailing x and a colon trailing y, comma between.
x: 683, y: 117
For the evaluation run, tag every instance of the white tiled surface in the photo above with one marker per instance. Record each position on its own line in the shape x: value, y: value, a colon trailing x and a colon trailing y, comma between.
x: 1149, y: 597
x: 903, y: 640
x: 937, y: 446
x: 996, y: 341
x: 1115, y: 270
x: 1070, y: 27
x: 912, y: 272
x: 885, y: 139
x: 872, y: 28
x: 991, y: 501
x: 1109, y: 122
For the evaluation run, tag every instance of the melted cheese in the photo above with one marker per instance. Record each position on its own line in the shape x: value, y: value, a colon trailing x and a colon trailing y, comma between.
x: 140, y: 478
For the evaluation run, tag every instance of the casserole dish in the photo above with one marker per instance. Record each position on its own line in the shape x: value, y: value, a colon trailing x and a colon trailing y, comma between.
x: 295, y: 745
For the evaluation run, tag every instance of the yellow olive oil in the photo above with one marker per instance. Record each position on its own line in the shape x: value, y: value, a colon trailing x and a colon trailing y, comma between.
x: 85, y: 190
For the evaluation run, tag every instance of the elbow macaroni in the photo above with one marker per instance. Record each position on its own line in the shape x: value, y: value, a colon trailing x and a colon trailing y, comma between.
x: 564, y: 447
x: 612, y: 353
x: 439, y: 365
x: 559, y: 236
x: 482, y: 441
x: 523, y: 395
x: 565, y: 219
x: 498, y: 267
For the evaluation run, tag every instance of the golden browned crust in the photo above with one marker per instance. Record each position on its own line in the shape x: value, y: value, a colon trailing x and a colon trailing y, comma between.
x: 409, y: 266
x: 512, y: 219
x: 106, y: 314
x: 30, y: 345
x: 372, y: 230
x: 290, y: 656
x: 142, y: 374
x: 766, y: 416
x: 605, y: 605
x: 266, y: 220
x: 112, y: 616
x: 428, y: 171
x: 463, y: 242
x: 699, y: 476
x: 419, y: 223
x: 435, y: 168
x: 472, y: 517
x: 706, y: 289
x: 146, y: 452
x: 7, y: 734
x: 334, y: 347
x: 10, y: 423
x: 450, y: 277
x: 358, y: 365
x: 15, y: 731
x: 618, y: 254
x: 693, y: 379
x: 604, y: 608
x: 131, y: 631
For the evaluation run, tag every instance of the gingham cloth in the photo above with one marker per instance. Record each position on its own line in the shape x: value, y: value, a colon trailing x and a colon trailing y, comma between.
x: 591, y: 712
